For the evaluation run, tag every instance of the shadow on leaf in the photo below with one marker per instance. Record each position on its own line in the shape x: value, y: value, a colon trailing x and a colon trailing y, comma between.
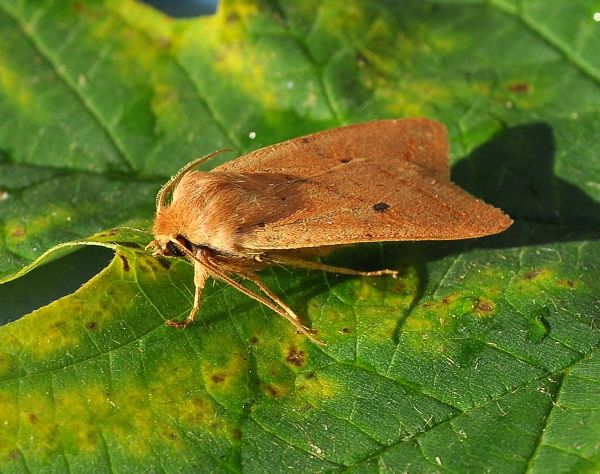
x: 515, y: 172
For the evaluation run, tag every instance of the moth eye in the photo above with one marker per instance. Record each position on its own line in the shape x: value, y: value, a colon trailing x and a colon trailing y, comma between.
x: 173, y: 250
x: 185, y: 242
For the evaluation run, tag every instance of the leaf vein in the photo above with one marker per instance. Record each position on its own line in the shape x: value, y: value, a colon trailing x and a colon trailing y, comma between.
x: 59, y: 71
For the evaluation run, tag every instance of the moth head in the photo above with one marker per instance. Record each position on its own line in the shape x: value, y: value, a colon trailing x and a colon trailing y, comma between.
x: 168, y: 240
x: 170, y: 246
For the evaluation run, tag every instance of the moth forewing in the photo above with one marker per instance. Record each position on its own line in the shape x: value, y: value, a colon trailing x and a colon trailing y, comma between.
x: 385, y: 180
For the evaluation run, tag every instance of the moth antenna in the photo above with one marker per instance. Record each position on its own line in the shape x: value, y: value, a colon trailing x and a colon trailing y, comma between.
x: 170, y: 185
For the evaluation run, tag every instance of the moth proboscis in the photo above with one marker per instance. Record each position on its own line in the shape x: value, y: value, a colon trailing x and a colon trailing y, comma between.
x: 385, y: 180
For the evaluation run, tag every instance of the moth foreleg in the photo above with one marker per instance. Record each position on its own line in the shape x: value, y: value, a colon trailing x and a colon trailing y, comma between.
x: 312, y: 265
x: 200, y: 276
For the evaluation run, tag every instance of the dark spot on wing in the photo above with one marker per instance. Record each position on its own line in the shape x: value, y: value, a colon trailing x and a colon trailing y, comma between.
x: 380, y: 206
x: 345, y: 160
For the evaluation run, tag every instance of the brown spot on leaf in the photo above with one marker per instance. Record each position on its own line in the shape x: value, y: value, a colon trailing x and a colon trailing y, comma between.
x: 165, y: 263
x: 164, y: 42
x: 218, y: 377
x: 484, y: 306
x: 519, y: 87
x: 125, y: 263
x: 273, y: 391
x: 232, y: 17
x: 568, y: 283
x: 81, y: 9
x: 18, y: 232
x: 15, y: 454
x: 346, y: 330
x: 33, y: 418
x: 361, y: 60
x: 254, y: 340
x: 92, y: 325
x: 296, y: 357
x: 531, y: 274
x: 446, y: 300
x: 236, y: 433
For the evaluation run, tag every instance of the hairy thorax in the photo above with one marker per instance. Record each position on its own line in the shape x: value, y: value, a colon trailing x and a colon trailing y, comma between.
x: 219, y: 209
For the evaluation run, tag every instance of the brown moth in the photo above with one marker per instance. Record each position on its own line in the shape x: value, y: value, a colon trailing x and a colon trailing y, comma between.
x: 386, y: 180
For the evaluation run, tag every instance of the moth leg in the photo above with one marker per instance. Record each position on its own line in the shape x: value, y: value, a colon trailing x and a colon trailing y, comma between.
x: 153, y: 246
x: 311, y: 265
x: 206, y: 267
x: 276, y: 305
x: 291, y: 316
x: 200, y: 276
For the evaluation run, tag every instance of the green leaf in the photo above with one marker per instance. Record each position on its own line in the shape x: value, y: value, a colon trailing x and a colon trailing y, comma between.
x: 482, y: 355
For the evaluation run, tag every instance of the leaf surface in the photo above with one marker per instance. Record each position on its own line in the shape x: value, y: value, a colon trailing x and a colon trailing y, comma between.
x: 482, y: 356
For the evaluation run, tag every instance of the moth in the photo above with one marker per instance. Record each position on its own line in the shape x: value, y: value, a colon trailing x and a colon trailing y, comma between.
x: 385, y: 180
